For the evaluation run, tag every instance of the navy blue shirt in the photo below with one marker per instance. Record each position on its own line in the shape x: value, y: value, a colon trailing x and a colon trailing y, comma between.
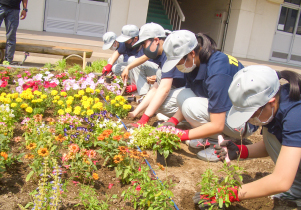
x: 14, y: 4
x: 178, y: 77
x: 129, y: 52
x: 212, y: 81
x: 286, y: 123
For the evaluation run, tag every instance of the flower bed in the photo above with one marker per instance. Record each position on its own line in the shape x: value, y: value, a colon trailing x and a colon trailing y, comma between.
x: 61, y: 146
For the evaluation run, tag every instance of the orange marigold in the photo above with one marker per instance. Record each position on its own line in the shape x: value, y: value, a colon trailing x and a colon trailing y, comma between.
x: 107, y: 132
x: 122, y: 149
x: 4, y: 154
x: 38, y: 117
x: 161, y: 166
x: 29, y: 156
x: 100, y: 137
x: 95, y: 176
x: 31, y: 146
x: 144, y: 154
x: 74, y: 148
x: 43, y: 152
x: 117, y: 137
x: 118, y: 158
x: 60, y: 138
x: 126, y: 135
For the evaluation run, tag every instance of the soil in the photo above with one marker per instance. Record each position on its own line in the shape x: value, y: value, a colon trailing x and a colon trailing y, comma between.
x: 184, y: 168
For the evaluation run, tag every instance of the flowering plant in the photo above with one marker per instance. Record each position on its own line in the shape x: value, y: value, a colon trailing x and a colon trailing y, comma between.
x: 168, y: 140
x: 118, y: 106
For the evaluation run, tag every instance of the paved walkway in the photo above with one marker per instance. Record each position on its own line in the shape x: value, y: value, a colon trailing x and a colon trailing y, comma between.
x: 95, y: 44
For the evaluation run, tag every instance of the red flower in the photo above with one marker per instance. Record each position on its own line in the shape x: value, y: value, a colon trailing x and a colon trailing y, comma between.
x: 4, y: 84
x: 139, y: 169
x: 110, y: 185
x: 138, y: 188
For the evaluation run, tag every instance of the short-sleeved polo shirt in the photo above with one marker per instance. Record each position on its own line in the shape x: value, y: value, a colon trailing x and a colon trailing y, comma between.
x: 286, y: 123
x: 14, y: 4
x: 137, y: 52
x: 178, y: 77
x: 212, y: 81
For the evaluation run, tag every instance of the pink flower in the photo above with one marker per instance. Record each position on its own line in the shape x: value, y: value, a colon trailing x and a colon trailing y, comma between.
x: 139, y: 169
x: 19, y: 75
x: 67, y: 166
x: 133, y: 182
x: 138, y: 188
x: 110, y: 185
x: 94, y: 162
x: 75, y: 183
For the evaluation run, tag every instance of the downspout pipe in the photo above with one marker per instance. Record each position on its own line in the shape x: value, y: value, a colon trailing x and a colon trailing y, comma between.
x: 226, y: 26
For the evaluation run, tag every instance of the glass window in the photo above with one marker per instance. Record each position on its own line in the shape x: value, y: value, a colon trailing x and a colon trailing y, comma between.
x: 299, y: 27
x: 293, y: 1
x: 287, y: 20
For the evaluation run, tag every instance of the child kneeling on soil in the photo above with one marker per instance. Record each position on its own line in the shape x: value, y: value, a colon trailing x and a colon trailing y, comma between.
x: 204, y: 102
x: 167, y: 85
x: 259, y: 99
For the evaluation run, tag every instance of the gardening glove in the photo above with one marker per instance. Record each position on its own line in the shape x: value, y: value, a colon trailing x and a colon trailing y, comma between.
x: 171, y: 122
x: 107, y: 69
x: 206, y: 201
x: 234, y: 151
x: 144, y: 119
x: 131, y: 88
x: 184, y: 135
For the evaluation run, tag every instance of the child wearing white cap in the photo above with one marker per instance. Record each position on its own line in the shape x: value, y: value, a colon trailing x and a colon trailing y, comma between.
x: 110, y: 42
x: 259, y: 99
x: 162, y: 96
x: 128, y: 37
x: 205, y: 101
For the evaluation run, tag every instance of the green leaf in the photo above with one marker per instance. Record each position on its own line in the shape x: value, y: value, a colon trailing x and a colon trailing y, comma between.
x: 29, y: 175
x: 114, y: 196
x: 220, y: 202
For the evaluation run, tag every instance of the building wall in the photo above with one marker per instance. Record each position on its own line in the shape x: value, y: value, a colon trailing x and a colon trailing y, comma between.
x: 35, y: 16
x: 125, y: 12
x: 251, y: 29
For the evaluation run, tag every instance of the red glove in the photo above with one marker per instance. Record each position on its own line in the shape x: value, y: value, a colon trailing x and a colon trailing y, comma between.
x: 233, y: 150
x: 144, y: 119
x: 107, y: 69
x: 131, y: 88
x: 204, y: 201
x: 184, y: 135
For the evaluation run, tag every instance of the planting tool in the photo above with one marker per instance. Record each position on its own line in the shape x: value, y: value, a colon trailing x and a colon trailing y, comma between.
x: 124, y: 87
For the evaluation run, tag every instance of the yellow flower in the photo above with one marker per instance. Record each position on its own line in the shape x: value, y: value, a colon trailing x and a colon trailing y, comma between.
x: 60, y: 102
x: 63, y: 94
x: 60, y: 112
x: 96, y: 100
x: 3, y: 94
x: 23, y: 106
x: 54, y: 101
x: 39, y: 100
x: 43, y: 96
x: 76, y: 95
x: 113, y: 101
x: 56, y: 97
x: 85, y: 98
x: 90, y: 112
x: 70, y: 98
x: 107, y: 98
x: 97, y: 90
x: 124, y: 106
x: 28, y: 109
x: 15, y: 95
x: 69, y: 102
x: 117, y: 105
x: 83, y: 113
x: 19, y: 100
x: 77, y: 108
x: 43, y: 152
x: 38, y: 93
x: 89, y: 90
x: 13, y: 105
x: 81, y: 92
x: 54, y: 92
x: 76, y: 111
x: 121, y: 103
x: 68, y: 110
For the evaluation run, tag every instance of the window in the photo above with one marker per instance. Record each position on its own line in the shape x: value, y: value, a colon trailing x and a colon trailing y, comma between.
x: 287, y: 20
x: 293, y: 1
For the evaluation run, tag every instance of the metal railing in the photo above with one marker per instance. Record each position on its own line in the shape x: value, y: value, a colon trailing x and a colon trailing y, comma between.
x: 174, y: 13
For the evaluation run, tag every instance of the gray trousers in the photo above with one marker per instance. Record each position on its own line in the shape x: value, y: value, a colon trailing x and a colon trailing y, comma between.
x: 195, y: 111
x: 138, y: 74
x: 11, y: 20
x: 273, y: 147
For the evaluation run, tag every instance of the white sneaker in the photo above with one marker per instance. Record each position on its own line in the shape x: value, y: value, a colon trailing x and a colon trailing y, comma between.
x: 162, y: 117
x: 187, y: 142
x: 208, y: 154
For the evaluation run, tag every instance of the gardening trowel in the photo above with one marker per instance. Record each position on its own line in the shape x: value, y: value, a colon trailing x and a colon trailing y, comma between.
x: 124, y: 87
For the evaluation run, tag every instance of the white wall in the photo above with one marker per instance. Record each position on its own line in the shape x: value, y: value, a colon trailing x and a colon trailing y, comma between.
x: 35, y: 16
x: 251, y: 29
x: 125, y: 12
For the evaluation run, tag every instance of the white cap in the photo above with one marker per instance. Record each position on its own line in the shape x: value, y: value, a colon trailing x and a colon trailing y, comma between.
x: 176, y: 46
x: 128, y: 32
x: 108, y: 39
x: 148, y: 31
x: 252, y: 87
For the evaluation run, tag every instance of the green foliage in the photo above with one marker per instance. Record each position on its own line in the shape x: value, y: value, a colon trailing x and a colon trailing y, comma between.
x: 60, y: 65
x: 89, y: 200
x: 211, y: 186
x: 96, y: 66
x: 142, y: 137
x: 47, y: 66
x: 74, y: 69
x: 149, y: 194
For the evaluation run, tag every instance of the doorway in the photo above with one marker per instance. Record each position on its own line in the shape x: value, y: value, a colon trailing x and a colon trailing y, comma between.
x: 81, y: 17
x: 287, y: 39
